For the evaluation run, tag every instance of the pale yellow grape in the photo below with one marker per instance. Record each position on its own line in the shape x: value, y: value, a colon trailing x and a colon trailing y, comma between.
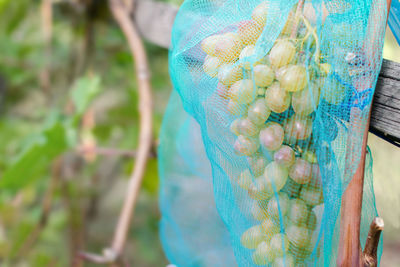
x: 279, y: 244
x: 311, y: 222
x: 316, y: 179
x: 249, y: 31
x: 252, y: 237
x: 258, y: 213
x: 211, y: 66
x: 208, y: 44
x: 285, y: 261
x: 247, y: 127
x: 259, y: 189
x: 228, y: 47
x: 277, y: 99
x: 245, y: 145
x: 282, y: 53
x: 270, y: 227
x: 243, y: 91
x: 229, y: 73
x: 300, y: 172
x: 261, y: 91
x: 236, y: 109
x: 257, y: 164
x: 235, y: 127
x: 306, y: 101
x: 298, y: 128
x: 263, y: 75
x: 278, y: 206
x: 248, y: 51
x: 260, y: 13
x: 275, y: 177
x: 294, y: 78
x: 263, y: 254
x: 284, y: 156
x: 298, y: 211
x: 223, y: 91
x: 245, y: 179
x: 258, y: 112
x: 311, y: 196
x: 280, y: 72
x: 299, y: 236
x: 271, y: 137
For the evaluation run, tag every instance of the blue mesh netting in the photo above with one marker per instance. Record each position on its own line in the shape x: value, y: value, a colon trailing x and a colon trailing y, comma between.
x: 394, y: 19
x: 265, y: 129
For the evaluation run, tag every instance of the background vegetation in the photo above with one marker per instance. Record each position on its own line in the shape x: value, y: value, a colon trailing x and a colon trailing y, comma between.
x: 88, y: 96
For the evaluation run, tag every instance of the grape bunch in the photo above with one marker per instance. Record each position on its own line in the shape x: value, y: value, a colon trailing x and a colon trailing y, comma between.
x: 272, y: 101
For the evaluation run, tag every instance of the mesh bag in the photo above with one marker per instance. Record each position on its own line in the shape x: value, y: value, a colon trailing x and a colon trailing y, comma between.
x: 277, y: 96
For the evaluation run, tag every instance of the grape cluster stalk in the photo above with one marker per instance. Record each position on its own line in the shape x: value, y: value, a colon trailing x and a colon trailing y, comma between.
x: 273, y: 101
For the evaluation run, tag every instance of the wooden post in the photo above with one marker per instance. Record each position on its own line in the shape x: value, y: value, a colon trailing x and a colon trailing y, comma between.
x: 349, y: 253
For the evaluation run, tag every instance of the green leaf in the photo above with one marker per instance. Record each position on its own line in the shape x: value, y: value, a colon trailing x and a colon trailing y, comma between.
x: 36, y: 157
x: 85, y: 89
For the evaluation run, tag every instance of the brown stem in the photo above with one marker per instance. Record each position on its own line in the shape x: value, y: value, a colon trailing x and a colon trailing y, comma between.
x: 371, y: 245
x: 47, y: 29
x: 122, y: 16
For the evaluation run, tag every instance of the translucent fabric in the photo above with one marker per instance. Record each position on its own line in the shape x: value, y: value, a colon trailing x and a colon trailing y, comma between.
x: 280, y: 91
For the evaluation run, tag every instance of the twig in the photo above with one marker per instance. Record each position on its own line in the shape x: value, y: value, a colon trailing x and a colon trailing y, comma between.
x: 47, y: 28
x: 145, y: 108
x: 121, y: 14
x: 371, y: 245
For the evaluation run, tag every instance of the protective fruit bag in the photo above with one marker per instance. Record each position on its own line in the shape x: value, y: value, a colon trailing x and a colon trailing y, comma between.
x: 264, y: 130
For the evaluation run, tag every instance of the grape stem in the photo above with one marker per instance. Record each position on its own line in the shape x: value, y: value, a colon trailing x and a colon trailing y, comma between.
x: 299, y: 11
x: 311, y: 30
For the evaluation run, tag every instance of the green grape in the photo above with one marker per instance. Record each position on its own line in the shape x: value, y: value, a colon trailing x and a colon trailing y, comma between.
x: 258, y: 213
x: 279, y: 244
x: 282, y: 53
x: 243, y: 91
x: 249, y: 31
x: 275, y: 177
x: 248, y: 51
x: 259, y: 190
x: 284, y: 156
x: 316, y: 179
x: 299, y: 236
x: 208, y: 44
x: 277, y: 99
x: 297, y: 128
x: 234, y: 128
x: 292, y: 188
x: 211, y: 66
x: 300, y: 254
x: 263, y: 75
x: 258, y: 112
x: 294, y: 78
x: 278, y: 206
x: 263, y: 254
x: 245, y: 145
x: 260, y: 13
x: 247, y: 128
x: 298, y: 211
x: 228, y: 47
x: 257, y: 164
x: 252, y: 237
x: 311, y: 222
x: 300, y: 172
x: 271, y: 137
x: 229, y: 73
x: 311, y: 196
x: 245, y: 179
x: 236, y: 109
x: 270, y: 227
x: 304, y: 102
x: 286, y: 261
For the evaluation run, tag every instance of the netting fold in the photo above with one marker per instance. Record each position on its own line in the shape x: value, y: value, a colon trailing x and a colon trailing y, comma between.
x: 264, y: 129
